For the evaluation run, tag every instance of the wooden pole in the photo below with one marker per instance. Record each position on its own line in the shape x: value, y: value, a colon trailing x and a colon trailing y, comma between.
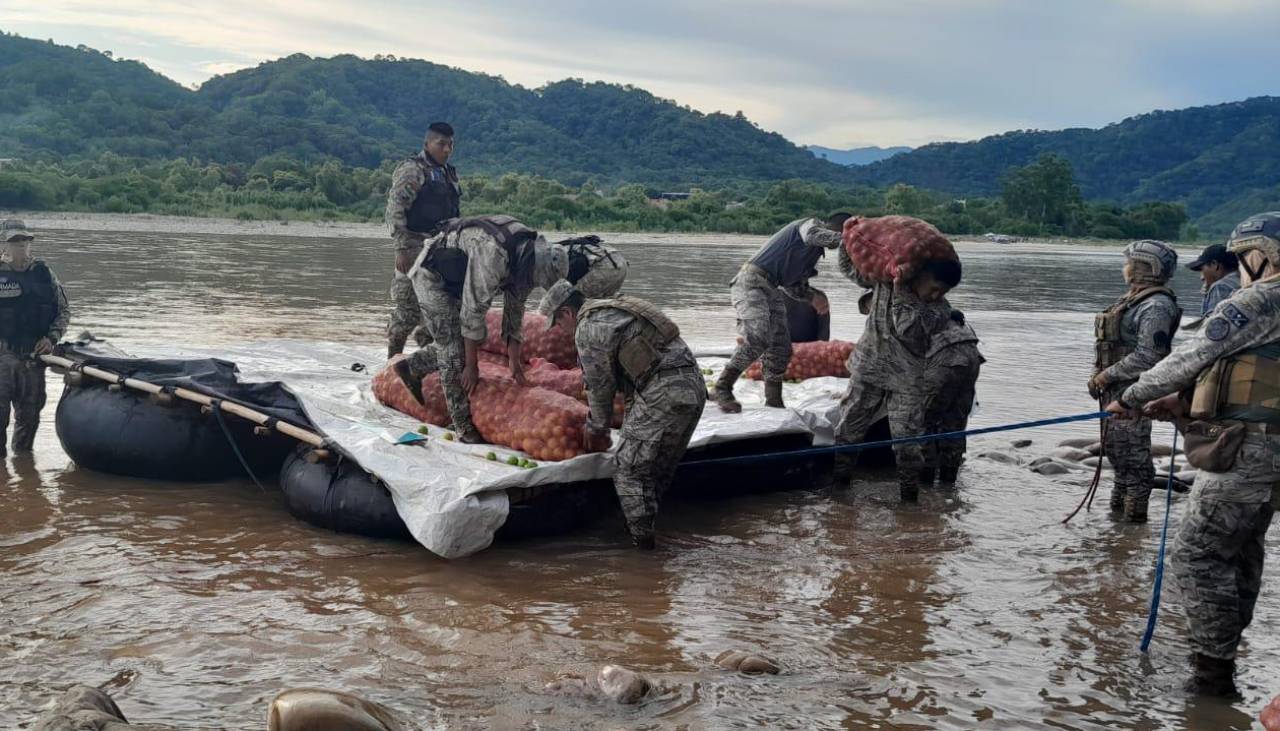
x: 257, y: 417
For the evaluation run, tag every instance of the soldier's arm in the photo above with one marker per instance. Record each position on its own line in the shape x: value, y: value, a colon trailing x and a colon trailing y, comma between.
x: 1154, y: 337
x: 60, y: 323
x: 912, y: 321
x: 513, y: 307
x: 1244, y: 323
x: 406, y: 181
x: 850, y: 271
x: 813, y: 233
x: 486, y: 270
x: 596, y: 345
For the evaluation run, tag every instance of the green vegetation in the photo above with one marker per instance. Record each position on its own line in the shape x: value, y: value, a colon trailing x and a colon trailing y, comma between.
x: 304, y: 138
x: 1039, y: 200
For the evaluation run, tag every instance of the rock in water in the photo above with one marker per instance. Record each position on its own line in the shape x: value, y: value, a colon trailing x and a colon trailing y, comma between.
x: 1162, y: 450
x: 1095, y: 449
x: 314, y: 709
x: 1000, y: 457
x: 82, y: 707
x: 745, y: 662
x: 1093, y: 462
x: 1078, y: 442
x: 1187, y: 476
x: 621, y: 685
x: 1039, y: 461
x: 1051, y: 468
x: 1021, y: 443
x: 1071, y: 453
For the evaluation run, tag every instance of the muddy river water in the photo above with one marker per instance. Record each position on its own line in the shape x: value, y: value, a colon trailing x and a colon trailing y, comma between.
x: 194, y: 605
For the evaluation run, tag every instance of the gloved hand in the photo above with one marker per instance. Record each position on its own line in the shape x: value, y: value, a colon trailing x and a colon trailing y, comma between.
x: 595, y: 440
x: 44, y: 346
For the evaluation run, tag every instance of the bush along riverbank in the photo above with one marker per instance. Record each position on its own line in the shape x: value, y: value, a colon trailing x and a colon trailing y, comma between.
x: 1038, y: 200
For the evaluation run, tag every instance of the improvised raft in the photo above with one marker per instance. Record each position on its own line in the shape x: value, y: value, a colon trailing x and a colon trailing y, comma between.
x: 193, y: 421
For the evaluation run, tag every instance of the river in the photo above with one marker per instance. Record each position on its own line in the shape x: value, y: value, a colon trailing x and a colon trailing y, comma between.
x: 194, y: 605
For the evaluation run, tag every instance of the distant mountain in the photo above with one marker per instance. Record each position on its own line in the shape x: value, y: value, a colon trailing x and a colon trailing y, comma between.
x: 79, y: 102
x: 855, y: 156
x: 1211, y: 158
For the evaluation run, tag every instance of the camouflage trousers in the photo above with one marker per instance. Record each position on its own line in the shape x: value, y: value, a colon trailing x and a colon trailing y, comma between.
x: 659, y: 421
x: 860, y: 409
x: 948, y: 401
x: 1128, y: 447
x: 406, y: 316
x: 1221, y: 542
x: 762, y: 323
x: 444, y: 349
x: 22, y: 392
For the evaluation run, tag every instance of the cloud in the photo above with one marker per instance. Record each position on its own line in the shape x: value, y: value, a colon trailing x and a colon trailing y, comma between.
x: 839, y: 73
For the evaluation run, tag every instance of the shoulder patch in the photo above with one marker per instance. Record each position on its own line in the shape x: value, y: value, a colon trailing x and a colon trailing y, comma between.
x: 1217, y: 329
x: 1233, y: 313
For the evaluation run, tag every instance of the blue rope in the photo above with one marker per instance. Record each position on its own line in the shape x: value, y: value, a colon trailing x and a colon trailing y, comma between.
x: 839, y: 448
x: 216, y: 405
x: 1164, y: 537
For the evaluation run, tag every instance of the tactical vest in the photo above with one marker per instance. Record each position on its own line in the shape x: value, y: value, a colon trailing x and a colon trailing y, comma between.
x: 951, y: 336
x: 639, y: 356
x: 450, y: 262
x: 1109, y: 348
x: 1241, y: 387
x: 786, y: 259
x: 438, y: 200
x: 28, y: 306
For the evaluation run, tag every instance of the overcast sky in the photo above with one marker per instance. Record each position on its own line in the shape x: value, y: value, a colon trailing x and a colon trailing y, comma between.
x: 841, y: 74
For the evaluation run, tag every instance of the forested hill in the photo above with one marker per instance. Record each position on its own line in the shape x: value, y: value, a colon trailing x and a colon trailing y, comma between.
x: 1206, y: 157
x: 79, y: 102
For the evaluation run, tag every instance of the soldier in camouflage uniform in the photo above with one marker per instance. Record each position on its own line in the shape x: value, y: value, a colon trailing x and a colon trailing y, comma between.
x: 1132, y: 336
x: 950, y: 374
x: 33, y: 317
x: 424, y: 194
x: 595, y: 270
x: 784, y: 264
x: 456, y: 278
x: 626, y: 344
x: 886, y: 367
x: 1233, y: 362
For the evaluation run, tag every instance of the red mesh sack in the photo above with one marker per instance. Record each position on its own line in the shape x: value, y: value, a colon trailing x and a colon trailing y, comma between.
x: 813, y: 360
x: 568, y: 381
x: 889, y: 248
x: 391, y: 391
x: 555, y: 345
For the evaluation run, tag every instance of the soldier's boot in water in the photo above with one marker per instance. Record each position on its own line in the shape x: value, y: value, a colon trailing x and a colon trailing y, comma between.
x: 723, y: 392
x: 927, y: 476
x: 909, y: 484
x: 842, y: 469
x: 773, y: 394
x: 947, y: 474
x: 1117, y: 499
x: 411, y: 382
x: 1212, y: 676
x: 1135, y: 508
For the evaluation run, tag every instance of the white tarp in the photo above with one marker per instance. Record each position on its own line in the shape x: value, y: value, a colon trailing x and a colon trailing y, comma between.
x: 450, y: 496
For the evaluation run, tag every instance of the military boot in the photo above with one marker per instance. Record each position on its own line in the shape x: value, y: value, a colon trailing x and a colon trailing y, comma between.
x: 1135, y: 508
x: 723, y: 392
x: 909, y: 484
x: 1117, y: 499
x: 470, y: 435
x: 842, y: 469
x: 411, y: 382
x: 927, y: 476
x: 1212, y: 676
x: 773, y: 394
x: 948, y: 473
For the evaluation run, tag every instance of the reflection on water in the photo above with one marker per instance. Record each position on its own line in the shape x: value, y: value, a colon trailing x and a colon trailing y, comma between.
x: 976, y: 609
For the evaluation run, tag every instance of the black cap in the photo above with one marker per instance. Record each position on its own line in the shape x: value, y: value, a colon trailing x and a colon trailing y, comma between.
x: 1216, y: 253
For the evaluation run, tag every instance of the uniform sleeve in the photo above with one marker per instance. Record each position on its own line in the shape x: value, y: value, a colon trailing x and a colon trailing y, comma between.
x: 596, y: 345
x: 486, y: 271
x: 406, y: 181
x: 845, y: 264
x: 913, y: 322
x: 813, y: 233
x: 513, y: 307
x: 1154, y: 336
x: 1242, y: 324
x: 801, y: 292
x: 59, y: 326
